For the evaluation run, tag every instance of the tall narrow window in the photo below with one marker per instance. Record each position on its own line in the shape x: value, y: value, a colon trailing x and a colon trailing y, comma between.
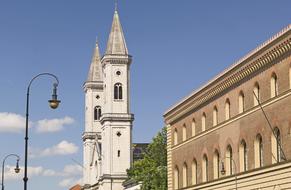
x: 229, y: 160
x: 258, y: 151
x: 97, y: 113
x: 216, y: 161
x: 184, y: 133
x: 274, y: 85
x: 193, y: 126
x: 185, y: 176
x: 215, y: 116
x: 118, y: 91
x: 203, y: 122
x: 194, y: 172
x: 290, y: 77
x: 276, y: 150
x: 204, y: 169
x: 256, y: 94
x: 243, y: 156
x: 175, y: 137
x: 176, y: 178
x: 241, y: 99
x: 227, y: 109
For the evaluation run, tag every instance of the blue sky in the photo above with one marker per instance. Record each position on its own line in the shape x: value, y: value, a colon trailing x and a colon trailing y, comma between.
x: 176, y: 46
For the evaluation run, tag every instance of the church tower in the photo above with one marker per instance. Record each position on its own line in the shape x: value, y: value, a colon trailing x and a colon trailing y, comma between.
x: 108, y: 120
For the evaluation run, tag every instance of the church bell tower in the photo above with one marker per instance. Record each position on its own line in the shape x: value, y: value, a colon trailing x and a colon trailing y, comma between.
x: 108, y: 120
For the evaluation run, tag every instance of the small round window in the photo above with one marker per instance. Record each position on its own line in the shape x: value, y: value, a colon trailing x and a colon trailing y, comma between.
x: 118, y: 73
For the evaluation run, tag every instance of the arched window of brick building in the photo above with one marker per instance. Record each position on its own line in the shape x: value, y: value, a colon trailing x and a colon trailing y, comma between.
x: 274, y: 85
x: 176, y: 178
x: 204, y: 168
x: 228, y: 161
x: 175, y: 137
x: 227, y: 109
x: 193, y: 126
x: 215, y: 116
x: 203, y: 122
x: 185, y: 176
x: 184, y: 133
x: 241, y: 102
x: 243, y: 156
x: 216, y: 161
x: 276, y: 151
x: 258, y: 151
x: 194, y: 172
x: 256, y: 94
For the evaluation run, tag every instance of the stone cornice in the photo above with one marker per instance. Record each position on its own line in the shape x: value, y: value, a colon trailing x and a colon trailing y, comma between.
x: 93, y: 85
x: 257, y: 60
x: 116, y: 59
x: 90, y: 135
x: 116, y: 117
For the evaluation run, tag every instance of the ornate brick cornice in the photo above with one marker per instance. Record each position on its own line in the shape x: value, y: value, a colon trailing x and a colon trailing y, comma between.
x: 259, y: 59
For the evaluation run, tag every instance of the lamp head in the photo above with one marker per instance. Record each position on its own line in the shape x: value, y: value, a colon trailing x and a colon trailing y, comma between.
x: 17, y: 169
x: 54, y: 102
x: 222, y: 171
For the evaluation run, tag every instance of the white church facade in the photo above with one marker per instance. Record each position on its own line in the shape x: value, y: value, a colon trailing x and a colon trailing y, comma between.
x: 107, y: 138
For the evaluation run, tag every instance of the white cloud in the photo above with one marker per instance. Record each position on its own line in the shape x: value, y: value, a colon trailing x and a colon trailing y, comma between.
x: 31, y: 171
x: 72, y: 170
x: 53, y: 125
x: 11, y: 122
x: 70, y: 182
x: 63, y: 148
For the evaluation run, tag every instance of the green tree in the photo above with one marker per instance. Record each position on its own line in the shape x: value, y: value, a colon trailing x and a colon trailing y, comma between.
x: 152, y: 169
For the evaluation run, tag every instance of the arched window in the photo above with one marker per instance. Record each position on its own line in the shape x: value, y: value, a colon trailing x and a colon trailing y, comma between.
x: 276, y: 151
x: 176, y: 178
x: 175, y: 137
x: 274, y: 85
x: 216, y: 161
x: 193, y: 126
x: 184, y: 133
x: 203, y: 122
x: 229, y: 160
x: 241, y: 99
x: 227, y: 109
x: 256, y: 94
x: 185, y: 176
x: 118, y: 91
x: 258, y: 151
x: 243, y: 156
x: 215, y: 116
x: 194, y: 172
x: 204, y: 168
x: 97, y: 113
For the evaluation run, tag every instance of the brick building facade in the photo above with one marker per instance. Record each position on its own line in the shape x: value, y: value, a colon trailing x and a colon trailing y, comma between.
x: 221, y: 126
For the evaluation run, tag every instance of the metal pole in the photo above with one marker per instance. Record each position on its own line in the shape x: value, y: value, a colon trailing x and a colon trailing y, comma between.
x: 3, y: 164
x: 25, y: 178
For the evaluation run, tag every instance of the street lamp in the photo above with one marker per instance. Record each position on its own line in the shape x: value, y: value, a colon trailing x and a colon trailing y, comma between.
x: 222, y: 171
x: 17, y: 169
x: 54, y: 103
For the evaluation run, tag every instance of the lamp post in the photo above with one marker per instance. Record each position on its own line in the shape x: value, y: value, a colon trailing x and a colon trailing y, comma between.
x: 54, y: 102
x: 17, y: 169
x: 223, y: 170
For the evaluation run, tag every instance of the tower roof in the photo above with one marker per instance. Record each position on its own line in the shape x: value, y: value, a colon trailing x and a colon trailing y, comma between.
x: 116, y: 43
x: 95, y: 72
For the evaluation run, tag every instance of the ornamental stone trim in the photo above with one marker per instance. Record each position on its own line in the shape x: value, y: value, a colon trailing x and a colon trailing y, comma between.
x: 232, y: 77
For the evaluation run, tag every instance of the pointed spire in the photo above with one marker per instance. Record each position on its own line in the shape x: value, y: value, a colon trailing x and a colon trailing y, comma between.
x: 95, y: 72
x: 116, y: 42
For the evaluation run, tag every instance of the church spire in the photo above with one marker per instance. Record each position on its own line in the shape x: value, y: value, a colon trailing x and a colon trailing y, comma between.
x: 95, y: 72
x: 116, y: 43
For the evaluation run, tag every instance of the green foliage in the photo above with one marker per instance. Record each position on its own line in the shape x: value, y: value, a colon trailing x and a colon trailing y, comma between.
x: 152, y: 169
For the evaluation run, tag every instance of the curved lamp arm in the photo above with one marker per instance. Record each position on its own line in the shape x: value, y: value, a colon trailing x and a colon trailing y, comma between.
x: 17, y: 169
